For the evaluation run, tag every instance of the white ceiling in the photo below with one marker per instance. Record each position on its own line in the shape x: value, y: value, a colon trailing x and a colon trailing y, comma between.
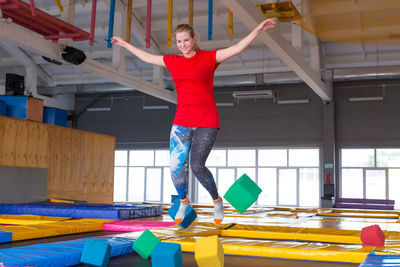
x: 283, y: 55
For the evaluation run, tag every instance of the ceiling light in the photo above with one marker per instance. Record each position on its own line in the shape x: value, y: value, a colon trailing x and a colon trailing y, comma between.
x: 294, y: 101
x: 155, y: 107
x: 363, y: 99
x: 253, y: 94
x: 98, y: 109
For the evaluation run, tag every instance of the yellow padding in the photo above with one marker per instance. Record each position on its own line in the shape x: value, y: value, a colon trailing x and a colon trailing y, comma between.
x: 54, y: 229
x: 293, y: 236
x: 284, y: 250
x: 361, y: 215
x: 29, y: 219
x: 295, y: 233
x: 56, y: 200
x: 365, y: 211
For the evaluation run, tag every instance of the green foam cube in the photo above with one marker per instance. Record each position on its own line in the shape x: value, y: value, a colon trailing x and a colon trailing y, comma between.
x: 243, y: 193
x: 145, y: 244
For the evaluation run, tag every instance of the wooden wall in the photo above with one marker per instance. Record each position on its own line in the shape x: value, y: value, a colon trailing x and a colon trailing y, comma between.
x: 80, y: 164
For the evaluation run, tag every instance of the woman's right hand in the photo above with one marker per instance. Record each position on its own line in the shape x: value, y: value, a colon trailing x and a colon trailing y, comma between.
x: 116, y: 40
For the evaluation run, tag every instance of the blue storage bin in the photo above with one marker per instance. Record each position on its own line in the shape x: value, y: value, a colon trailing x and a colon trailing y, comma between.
x: 55, y: 116
x: 3, y: 107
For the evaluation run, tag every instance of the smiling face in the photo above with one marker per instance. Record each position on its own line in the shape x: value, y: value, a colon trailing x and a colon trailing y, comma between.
x: 185, y: 43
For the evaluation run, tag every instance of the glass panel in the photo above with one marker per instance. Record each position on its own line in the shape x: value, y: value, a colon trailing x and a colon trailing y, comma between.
x: 394, y: 187
x: 357, y: 158
x: 216, y: 158
x: 120, y: 184
x: 136, y: 185
x: 251, y: 172
x: 121, y: 158
x: 153, y: 184
x: 242, y: 157
x: 304, y: 157
x: 388, y: 157
x: 141, y: 158
x: 202, y: 194
x: 287, y: 187
x: 169, y: 188
x: 162, y: 158
x: 267, y: 182
x: 375, y: 184
x: 309, y: 187
x: 226, y: 177
x: 352, y: 183
x: 272, y: 157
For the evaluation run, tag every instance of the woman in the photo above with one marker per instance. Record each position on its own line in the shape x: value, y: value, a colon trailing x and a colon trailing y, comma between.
x: 196, y: 121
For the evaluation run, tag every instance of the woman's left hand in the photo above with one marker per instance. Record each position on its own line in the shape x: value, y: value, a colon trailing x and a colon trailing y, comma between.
x: 266, y: 24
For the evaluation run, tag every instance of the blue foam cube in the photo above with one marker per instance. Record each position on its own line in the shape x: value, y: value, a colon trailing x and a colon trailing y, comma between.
x: 96, y: 253
x: 5, y: 236
x: 190, y: 214
x: 174, y: 197
x: 166, y: 255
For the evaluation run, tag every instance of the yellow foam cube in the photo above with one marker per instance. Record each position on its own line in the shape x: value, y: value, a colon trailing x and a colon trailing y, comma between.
x: 209, y: 252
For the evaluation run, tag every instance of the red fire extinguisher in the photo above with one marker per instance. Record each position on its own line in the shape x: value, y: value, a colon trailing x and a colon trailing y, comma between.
x: 328, y: 179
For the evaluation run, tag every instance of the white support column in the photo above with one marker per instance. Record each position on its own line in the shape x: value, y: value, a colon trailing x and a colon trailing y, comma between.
x: 158, y: 75
x: 2, y: 89
x: 30, y: 81
x: 297, y: 38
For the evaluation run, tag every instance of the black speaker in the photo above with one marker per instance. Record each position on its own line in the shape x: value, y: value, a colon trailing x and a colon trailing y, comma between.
x: 15, y: 84
x: 73, y: 55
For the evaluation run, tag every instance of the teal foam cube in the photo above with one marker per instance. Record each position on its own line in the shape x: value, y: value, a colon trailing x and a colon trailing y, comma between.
x: 190, y: 214
x: 166, y: 255
x: 243, y: 193
x: 145, y: 244
x: 96, y: 253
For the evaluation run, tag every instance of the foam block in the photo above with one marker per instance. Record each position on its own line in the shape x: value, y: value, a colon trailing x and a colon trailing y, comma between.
x: 96, y: 253
x: 190, y: 214
x: 209, y: 252
x: 166, y: 255
x: 243, y: 193
x: 5, y: 236
x: 145, y: 244
x: 372, y: 236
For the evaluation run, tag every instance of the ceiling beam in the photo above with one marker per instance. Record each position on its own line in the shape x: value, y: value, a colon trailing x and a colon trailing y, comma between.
x: 251, y: 16
x: 35, y: 43
x: 27, y: 61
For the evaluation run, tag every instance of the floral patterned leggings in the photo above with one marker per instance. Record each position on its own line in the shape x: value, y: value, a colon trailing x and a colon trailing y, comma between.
x: 199, y: 142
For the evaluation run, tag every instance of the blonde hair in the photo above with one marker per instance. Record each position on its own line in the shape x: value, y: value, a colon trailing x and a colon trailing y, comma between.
x: 189, y: 29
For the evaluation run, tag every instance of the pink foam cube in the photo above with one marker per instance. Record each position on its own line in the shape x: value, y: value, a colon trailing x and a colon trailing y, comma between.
x: 372, y: 236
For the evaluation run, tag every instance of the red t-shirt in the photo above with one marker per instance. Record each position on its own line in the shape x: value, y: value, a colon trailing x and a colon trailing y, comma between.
x: 194, y: 79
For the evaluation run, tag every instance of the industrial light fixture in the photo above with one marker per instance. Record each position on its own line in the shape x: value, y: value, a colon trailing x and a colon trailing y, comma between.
x: 365, y: 99
x: 229, y: 104
x: 98, y: 109
x: 293, y: 101
x: 256, y: 94
x: 155, y: 107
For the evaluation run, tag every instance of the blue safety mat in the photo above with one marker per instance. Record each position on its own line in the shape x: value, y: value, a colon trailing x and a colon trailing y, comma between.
x: 5, y: 236
x: 59, y: 254
x: 84, y: 210
x: 381, y: 260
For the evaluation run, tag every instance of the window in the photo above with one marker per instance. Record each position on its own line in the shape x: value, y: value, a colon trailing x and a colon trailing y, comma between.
x: 286, y: 176
x: 142, y: 175
x: 370, y: 173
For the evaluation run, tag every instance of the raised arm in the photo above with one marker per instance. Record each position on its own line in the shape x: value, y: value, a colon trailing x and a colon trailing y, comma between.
x: 226, y: 53
x: 143, y: 55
